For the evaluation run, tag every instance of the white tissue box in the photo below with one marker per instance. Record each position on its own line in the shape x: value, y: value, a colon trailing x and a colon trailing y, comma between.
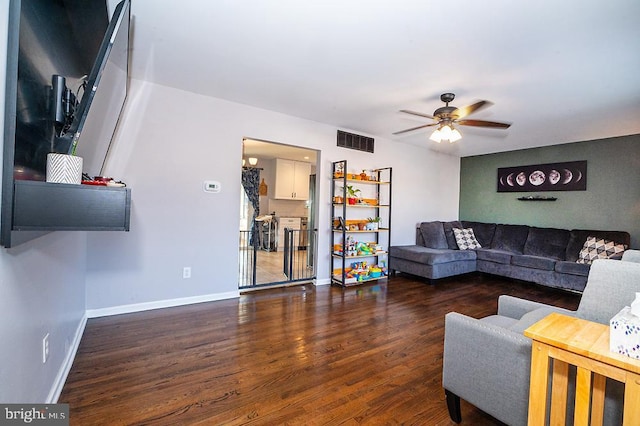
x: 624, y: 333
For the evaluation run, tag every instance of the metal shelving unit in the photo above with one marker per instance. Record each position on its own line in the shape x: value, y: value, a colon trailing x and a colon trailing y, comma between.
x: 356, y: 262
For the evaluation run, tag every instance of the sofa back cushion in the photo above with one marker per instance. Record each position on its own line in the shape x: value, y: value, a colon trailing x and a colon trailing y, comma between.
x: 579, y: 236
x: 510, y: 238
x: 484, y: 232
x: 432, y: 235
x: 448, y: 233
x: 547, y: 242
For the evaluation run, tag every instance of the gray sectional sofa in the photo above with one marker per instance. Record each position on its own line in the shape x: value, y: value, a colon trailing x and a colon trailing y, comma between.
x: 544, y: 256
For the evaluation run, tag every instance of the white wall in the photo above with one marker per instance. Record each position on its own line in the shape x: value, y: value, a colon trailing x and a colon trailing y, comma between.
x: 171, y: 141
x: 42, y: 291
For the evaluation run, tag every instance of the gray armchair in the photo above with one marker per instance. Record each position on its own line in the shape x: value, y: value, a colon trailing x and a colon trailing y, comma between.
x: 487, y: 361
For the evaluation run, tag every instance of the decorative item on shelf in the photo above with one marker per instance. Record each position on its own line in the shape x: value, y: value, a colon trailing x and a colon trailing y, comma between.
x: 351, y: 246
x: 537, y: 198
x: 359, y: 266
x: 101, y: 181
x: 64, y: 168
x: 339, y: 171
x: 363, y: 249
x: 363, y: 276
x: 373, y: 223
x: 364, y: 175
x: 352, y: 193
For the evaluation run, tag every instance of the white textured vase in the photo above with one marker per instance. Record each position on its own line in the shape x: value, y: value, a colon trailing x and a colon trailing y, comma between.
x: 63, y: 168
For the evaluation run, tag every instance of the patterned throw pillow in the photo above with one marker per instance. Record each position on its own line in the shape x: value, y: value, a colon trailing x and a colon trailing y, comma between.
x: 466, y: 239
x: 599, y: 248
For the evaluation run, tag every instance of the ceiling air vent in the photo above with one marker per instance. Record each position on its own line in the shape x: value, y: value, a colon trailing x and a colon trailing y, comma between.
x: 353, y: 141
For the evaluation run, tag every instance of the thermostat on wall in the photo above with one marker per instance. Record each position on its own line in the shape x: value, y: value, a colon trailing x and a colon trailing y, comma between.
x: 212, y: 186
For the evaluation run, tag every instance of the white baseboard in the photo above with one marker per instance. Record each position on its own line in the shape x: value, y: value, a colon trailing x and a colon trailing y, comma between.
x: 325, y: 281
x: 147, y: 306
x: 61, y: 377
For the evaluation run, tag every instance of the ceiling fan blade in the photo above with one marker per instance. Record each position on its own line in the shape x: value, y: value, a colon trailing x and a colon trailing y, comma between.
x: 415, y: 128
x: 416, y: 113
x: 483, y: 123
x: 469, y: 109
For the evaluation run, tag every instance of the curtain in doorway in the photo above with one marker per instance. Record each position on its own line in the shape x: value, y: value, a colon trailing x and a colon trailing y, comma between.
x: 251, y: 185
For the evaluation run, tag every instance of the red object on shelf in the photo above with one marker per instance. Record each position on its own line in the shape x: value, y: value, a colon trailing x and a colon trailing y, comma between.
x: 93, y: 182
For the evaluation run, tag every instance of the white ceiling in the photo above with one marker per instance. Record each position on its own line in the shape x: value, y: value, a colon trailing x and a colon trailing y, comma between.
x: 559, y: 70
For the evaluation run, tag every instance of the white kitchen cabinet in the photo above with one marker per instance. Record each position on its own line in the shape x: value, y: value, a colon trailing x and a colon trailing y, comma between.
x: 292, y: 180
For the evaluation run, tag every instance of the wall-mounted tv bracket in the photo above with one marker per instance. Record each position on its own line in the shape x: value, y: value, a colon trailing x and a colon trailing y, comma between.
x: 64, y: 104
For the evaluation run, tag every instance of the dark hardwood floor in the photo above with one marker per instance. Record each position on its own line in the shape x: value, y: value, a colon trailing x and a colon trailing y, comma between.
x: 291, y: 356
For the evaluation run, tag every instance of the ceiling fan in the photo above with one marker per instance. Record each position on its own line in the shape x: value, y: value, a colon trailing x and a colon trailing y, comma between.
x: 447, y: 115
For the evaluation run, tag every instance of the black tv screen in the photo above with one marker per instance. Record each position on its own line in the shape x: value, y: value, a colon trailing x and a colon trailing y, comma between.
x: 52, y: 37
x: 96, y: 117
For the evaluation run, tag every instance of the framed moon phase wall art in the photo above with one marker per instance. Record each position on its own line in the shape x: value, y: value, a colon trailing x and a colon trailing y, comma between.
x: 569, y: 176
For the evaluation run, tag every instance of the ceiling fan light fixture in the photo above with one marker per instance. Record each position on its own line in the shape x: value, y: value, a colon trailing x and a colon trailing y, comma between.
x: 436, y: 136
x: 253, y: 161
x: 455, y: 136
x: 447, y: 115
x: 445, y: 132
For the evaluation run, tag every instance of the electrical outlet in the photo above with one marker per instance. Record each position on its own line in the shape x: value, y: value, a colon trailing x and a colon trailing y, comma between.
x: 186, y: 272
x: 45, y: 348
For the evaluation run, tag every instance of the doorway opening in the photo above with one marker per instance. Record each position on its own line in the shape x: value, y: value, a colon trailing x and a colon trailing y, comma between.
x: 278, y: 210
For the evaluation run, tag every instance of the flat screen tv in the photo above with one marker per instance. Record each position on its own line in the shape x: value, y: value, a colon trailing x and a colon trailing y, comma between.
x: 96, y: 117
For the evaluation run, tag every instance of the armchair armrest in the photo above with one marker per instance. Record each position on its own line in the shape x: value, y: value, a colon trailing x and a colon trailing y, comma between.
x: 514, y: 307
x: 488, y: 366
x: 631, y: 256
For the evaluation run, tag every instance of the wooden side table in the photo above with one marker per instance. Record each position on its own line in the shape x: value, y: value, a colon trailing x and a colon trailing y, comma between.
x: 584, y: 344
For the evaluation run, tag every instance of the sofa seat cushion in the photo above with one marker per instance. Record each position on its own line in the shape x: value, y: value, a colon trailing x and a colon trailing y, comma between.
x: 497, y: 256
x: 533, y: 262
x: 500, y: 321
x: 429, y: 256
x: 534, y: 316
x: 526, y: 321
x: 573, y: 268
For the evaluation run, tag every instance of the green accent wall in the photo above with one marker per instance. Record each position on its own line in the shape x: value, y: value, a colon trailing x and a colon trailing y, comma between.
x: 611, y: 201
